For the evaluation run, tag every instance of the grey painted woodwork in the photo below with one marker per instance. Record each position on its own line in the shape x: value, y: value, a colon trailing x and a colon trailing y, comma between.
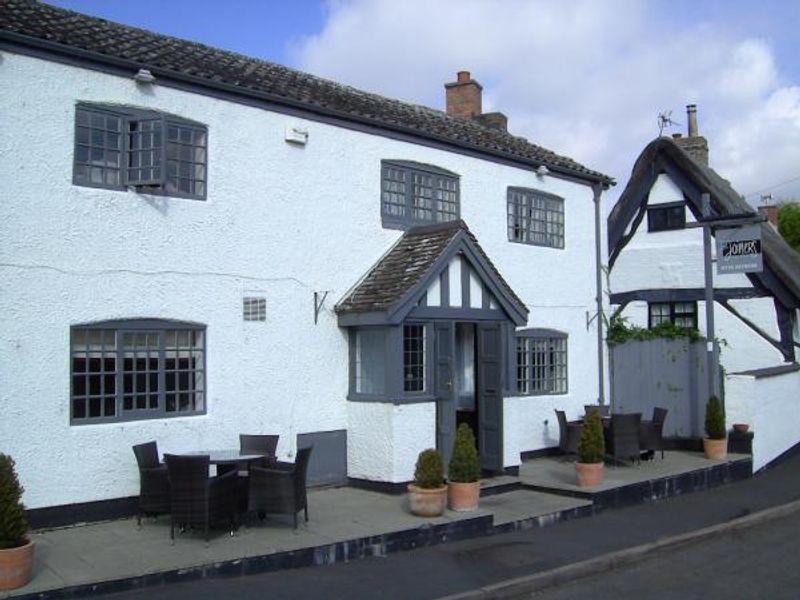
x: 490, y: 396
x: 328, y: 462
x: 445, y: 396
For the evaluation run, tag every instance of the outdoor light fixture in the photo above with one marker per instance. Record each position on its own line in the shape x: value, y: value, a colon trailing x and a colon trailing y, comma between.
x: 541, y: 171
x: 144, y: 76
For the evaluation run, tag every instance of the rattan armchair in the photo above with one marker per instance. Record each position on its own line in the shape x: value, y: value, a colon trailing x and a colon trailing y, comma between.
x: 197, y: 499
x: 651, y: 436
x: 259, y: 444
x: 154, y: 493
x: 569, y: 433
x: 280, y: 488
x: 603, y: 409
x: 622, y: 437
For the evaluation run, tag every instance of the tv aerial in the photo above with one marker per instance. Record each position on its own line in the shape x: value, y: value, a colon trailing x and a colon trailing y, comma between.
x: 664, y: 121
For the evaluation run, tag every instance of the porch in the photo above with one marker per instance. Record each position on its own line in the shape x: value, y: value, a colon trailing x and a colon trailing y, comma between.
x: 349, y: 524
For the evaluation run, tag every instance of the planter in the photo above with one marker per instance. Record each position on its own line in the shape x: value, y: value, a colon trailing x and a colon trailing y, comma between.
x: 741, y: 427
x: 589, y: 474
x: 15, y: 566
x: 425, y: 502
x: 715, y: 449
x: 463, y: 497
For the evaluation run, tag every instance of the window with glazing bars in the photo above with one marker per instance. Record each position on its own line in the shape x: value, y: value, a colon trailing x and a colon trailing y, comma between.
x: 416, y: 194
x: 254, y: 308
x: 414, y: 355
x: 541, y: 365
x: 133, y: 371
x: 535, y: 218
x: 122, y: 146
x: 680, y: 314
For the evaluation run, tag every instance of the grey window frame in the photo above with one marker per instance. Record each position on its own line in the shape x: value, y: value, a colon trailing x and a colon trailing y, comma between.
x: 673, y: 313
x: 148, y: 326
x: 666, y: 208
x: 520, y: 200
x: 160, y: 175
x: 423, y: 364
x: 410, y: 169
x: 550, y: 387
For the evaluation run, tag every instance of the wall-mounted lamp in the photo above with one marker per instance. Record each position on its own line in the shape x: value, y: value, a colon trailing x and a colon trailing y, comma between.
x: 144, y: 76
x: 541, y: 171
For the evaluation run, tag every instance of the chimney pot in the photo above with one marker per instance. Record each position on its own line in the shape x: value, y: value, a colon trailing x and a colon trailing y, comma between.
x: 677, y: 136
x: 691, y: 117
x: 463, y: 76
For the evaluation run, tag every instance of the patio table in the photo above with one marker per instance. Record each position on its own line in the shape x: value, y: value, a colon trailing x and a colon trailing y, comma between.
x: 226, y: 457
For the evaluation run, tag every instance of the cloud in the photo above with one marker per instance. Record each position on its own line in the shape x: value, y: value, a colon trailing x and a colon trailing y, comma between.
x: 584, y: 78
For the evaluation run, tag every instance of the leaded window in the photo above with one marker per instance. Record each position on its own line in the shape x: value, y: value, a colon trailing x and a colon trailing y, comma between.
x: 541, y: 362
x: 666, y: 217
x: 680, y: 314
x: 535, y: 218
x: 136, y: 370
x: 118, y: 146
x: 417, y: 194
x: 414, y: 356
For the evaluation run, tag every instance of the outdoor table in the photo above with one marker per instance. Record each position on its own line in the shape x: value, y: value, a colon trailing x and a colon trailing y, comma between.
x: 230, y: 459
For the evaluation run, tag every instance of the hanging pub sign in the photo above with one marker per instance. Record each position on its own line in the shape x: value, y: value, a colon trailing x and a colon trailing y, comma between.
x: 739, y: 250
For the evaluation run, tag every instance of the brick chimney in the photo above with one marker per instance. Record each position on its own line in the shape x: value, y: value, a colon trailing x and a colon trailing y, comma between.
x: 769, y: 210
x: 464, y: 100
x: 694, y: 144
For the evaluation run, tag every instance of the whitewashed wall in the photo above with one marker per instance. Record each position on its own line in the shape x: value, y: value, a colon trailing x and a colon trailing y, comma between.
x: 281, y: 220
x: 770, y: 406
x: 674, y: 259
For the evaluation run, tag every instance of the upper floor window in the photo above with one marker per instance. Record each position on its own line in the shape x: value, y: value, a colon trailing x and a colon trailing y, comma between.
x: 541, y: 362
x: 139, y: 369
x: 664, y: 217
x: 535, y: 218
x: 417, y: 194
x: 119, y: 146
x: 680, y: 314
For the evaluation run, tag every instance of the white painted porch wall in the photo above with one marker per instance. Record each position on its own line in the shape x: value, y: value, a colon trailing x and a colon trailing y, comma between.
x: 770, y: 405
x: 279, y: 219
x: 674, y: 259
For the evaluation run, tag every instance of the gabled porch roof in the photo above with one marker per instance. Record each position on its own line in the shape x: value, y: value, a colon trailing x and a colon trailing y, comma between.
x: 400, y: 279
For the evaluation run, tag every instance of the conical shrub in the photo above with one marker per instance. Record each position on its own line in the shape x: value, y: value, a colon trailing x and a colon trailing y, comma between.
x: 464, y: 466
x: 715, y: 419
x: 13, y: 525
x: 429, y: 472
x: 592, y: 446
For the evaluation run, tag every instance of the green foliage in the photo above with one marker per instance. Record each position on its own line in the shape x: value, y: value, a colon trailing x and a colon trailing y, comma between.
x: 13, y: 525
x: 715, y: 419
x: 619, y: 332
x: 789, y: 223
x: 429, y: 472
x: 592, y: 446
x: 464, y: 466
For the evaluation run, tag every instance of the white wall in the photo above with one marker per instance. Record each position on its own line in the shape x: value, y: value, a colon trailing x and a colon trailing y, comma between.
x: 770, y: 406
x: 279, y: 219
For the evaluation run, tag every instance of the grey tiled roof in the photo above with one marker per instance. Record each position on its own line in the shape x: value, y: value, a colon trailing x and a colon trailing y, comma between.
x: 41, y: 25
x: 407, y: 263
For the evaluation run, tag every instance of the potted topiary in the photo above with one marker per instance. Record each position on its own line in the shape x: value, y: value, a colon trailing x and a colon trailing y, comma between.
x: 463, y: 487
x: 428, y: 494
x: 16, y: 550
x: 716, y: 444
x: 591, y: 451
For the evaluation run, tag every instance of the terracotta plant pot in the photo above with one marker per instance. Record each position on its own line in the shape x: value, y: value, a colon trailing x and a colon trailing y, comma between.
x: 589, y: 474
x: 715, y: 449
x: 425, y: 502
x: 463, y: 497
x: 15, y: 566
x: 741, y: 427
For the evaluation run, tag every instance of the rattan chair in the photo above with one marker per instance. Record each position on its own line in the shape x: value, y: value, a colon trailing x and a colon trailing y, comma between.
x: 281, y: 488
x: 197, y: 499
x: 622, y: 437
x: 651, y: 432
x: 259, y: 444
x: 603, y: 409
x: 154, y: 496
x: 569, y: 433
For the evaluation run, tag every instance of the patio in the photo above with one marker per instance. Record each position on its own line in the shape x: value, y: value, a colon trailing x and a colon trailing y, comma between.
x: 347, y: 524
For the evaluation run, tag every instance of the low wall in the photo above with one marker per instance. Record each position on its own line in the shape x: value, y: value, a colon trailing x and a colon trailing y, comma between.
x: 770, y: 403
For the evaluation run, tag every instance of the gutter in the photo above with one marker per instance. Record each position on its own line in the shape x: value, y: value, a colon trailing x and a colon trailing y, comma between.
x: 126, y: 67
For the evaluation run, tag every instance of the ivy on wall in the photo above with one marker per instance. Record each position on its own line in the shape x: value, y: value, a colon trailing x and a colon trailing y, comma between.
x: 620, y: 331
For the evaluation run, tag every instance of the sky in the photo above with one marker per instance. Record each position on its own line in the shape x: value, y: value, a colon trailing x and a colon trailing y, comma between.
x: 584, y: 78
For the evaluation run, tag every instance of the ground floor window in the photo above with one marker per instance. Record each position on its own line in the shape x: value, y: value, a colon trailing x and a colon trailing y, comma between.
x: 414, y: 358
x: 370, y: 361
x: 541, y: 362
x: 680, y: 314
x: 136, y: 370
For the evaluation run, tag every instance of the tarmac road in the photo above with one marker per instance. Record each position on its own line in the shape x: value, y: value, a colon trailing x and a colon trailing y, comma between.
x: 462, y: 566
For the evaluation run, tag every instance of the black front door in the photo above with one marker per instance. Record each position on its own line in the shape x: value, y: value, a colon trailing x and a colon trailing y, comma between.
x: 490, y: 396
x: 445, y: 393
